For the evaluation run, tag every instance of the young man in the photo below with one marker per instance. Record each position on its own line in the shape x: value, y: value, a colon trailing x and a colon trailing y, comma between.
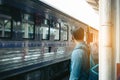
x: 80, y: 57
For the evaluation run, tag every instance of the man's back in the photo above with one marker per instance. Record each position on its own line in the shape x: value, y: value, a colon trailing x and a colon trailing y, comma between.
x: 80, y: 62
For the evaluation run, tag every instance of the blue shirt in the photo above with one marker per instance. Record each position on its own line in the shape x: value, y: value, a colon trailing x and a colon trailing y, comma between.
x: 79, y: 63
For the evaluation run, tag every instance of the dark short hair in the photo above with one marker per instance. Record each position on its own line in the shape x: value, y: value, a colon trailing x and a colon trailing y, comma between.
x: 78, y: 33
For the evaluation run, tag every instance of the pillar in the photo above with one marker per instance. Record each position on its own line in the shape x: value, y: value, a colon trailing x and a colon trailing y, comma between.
x: 105, y: 41
x: 117, y: 30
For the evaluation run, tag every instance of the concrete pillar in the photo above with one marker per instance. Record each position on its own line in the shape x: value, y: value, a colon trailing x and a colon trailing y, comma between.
x: 117, y: 34
x: 118, y: 31
x: 105, y: 41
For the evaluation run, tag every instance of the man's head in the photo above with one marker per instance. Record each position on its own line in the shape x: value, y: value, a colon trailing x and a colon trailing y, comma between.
x: 77, y: 34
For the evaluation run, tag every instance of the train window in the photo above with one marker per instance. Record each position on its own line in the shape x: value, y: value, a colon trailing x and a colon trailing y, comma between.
x: 44, y: 31
x: 64, y: 32
x: 16, y: 34
x: 42, y: 28
x: 45, y: 21
x: 55, y: 32
x: 27, y: 30
x: 27, y: 17
x: 28, y: 27
x: 37, y: 32
x: 5, y: 28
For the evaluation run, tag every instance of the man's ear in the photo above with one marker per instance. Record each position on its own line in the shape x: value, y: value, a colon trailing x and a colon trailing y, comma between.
x: 72, y: 38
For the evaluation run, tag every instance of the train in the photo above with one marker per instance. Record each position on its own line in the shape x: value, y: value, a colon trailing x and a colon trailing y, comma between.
x: 34, y: 35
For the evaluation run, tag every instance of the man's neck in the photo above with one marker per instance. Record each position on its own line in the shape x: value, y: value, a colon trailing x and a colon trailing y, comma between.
x: 78, y: 42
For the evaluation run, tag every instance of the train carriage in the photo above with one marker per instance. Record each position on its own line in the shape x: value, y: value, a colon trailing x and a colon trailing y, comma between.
x: 34, y: 35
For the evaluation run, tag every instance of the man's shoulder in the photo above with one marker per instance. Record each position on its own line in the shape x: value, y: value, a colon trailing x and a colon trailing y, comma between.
x: 78, y: 52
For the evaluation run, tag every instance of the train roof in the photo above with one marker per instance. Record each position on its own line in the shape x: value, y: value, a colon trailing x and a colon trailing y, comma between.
x: 36, y: 6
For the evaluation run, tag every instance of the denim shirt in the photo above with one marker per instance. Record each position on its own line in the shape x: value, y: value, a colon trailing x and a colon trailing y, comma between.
x: 79, y: 63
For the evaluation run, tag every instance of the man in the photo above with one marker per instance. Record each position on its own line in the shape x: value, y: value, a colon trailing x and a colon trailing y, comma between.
x: 79, y: 57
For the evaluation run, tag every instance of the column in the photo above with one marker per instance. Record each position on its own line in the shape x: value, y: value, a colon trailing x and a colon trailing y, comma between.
x: 117, y: 30
x: 105, y: 41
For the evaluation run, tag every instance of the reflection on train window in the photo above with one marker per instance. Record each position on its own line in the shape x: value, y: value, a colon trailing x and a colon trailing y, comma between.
x: 28, y: 26
x: 46, y: 21
x: 27, y: 17
x: 44, y: 32
x: 64, y: 32
x: 27, y: 30
x: 37, y: 32
x: 5, y: 28
x: 54, y: 32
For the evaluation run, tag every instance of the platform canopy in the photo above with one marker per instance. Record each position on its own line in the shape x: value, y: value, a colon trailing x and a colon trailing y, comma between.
x: 94, y: 4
